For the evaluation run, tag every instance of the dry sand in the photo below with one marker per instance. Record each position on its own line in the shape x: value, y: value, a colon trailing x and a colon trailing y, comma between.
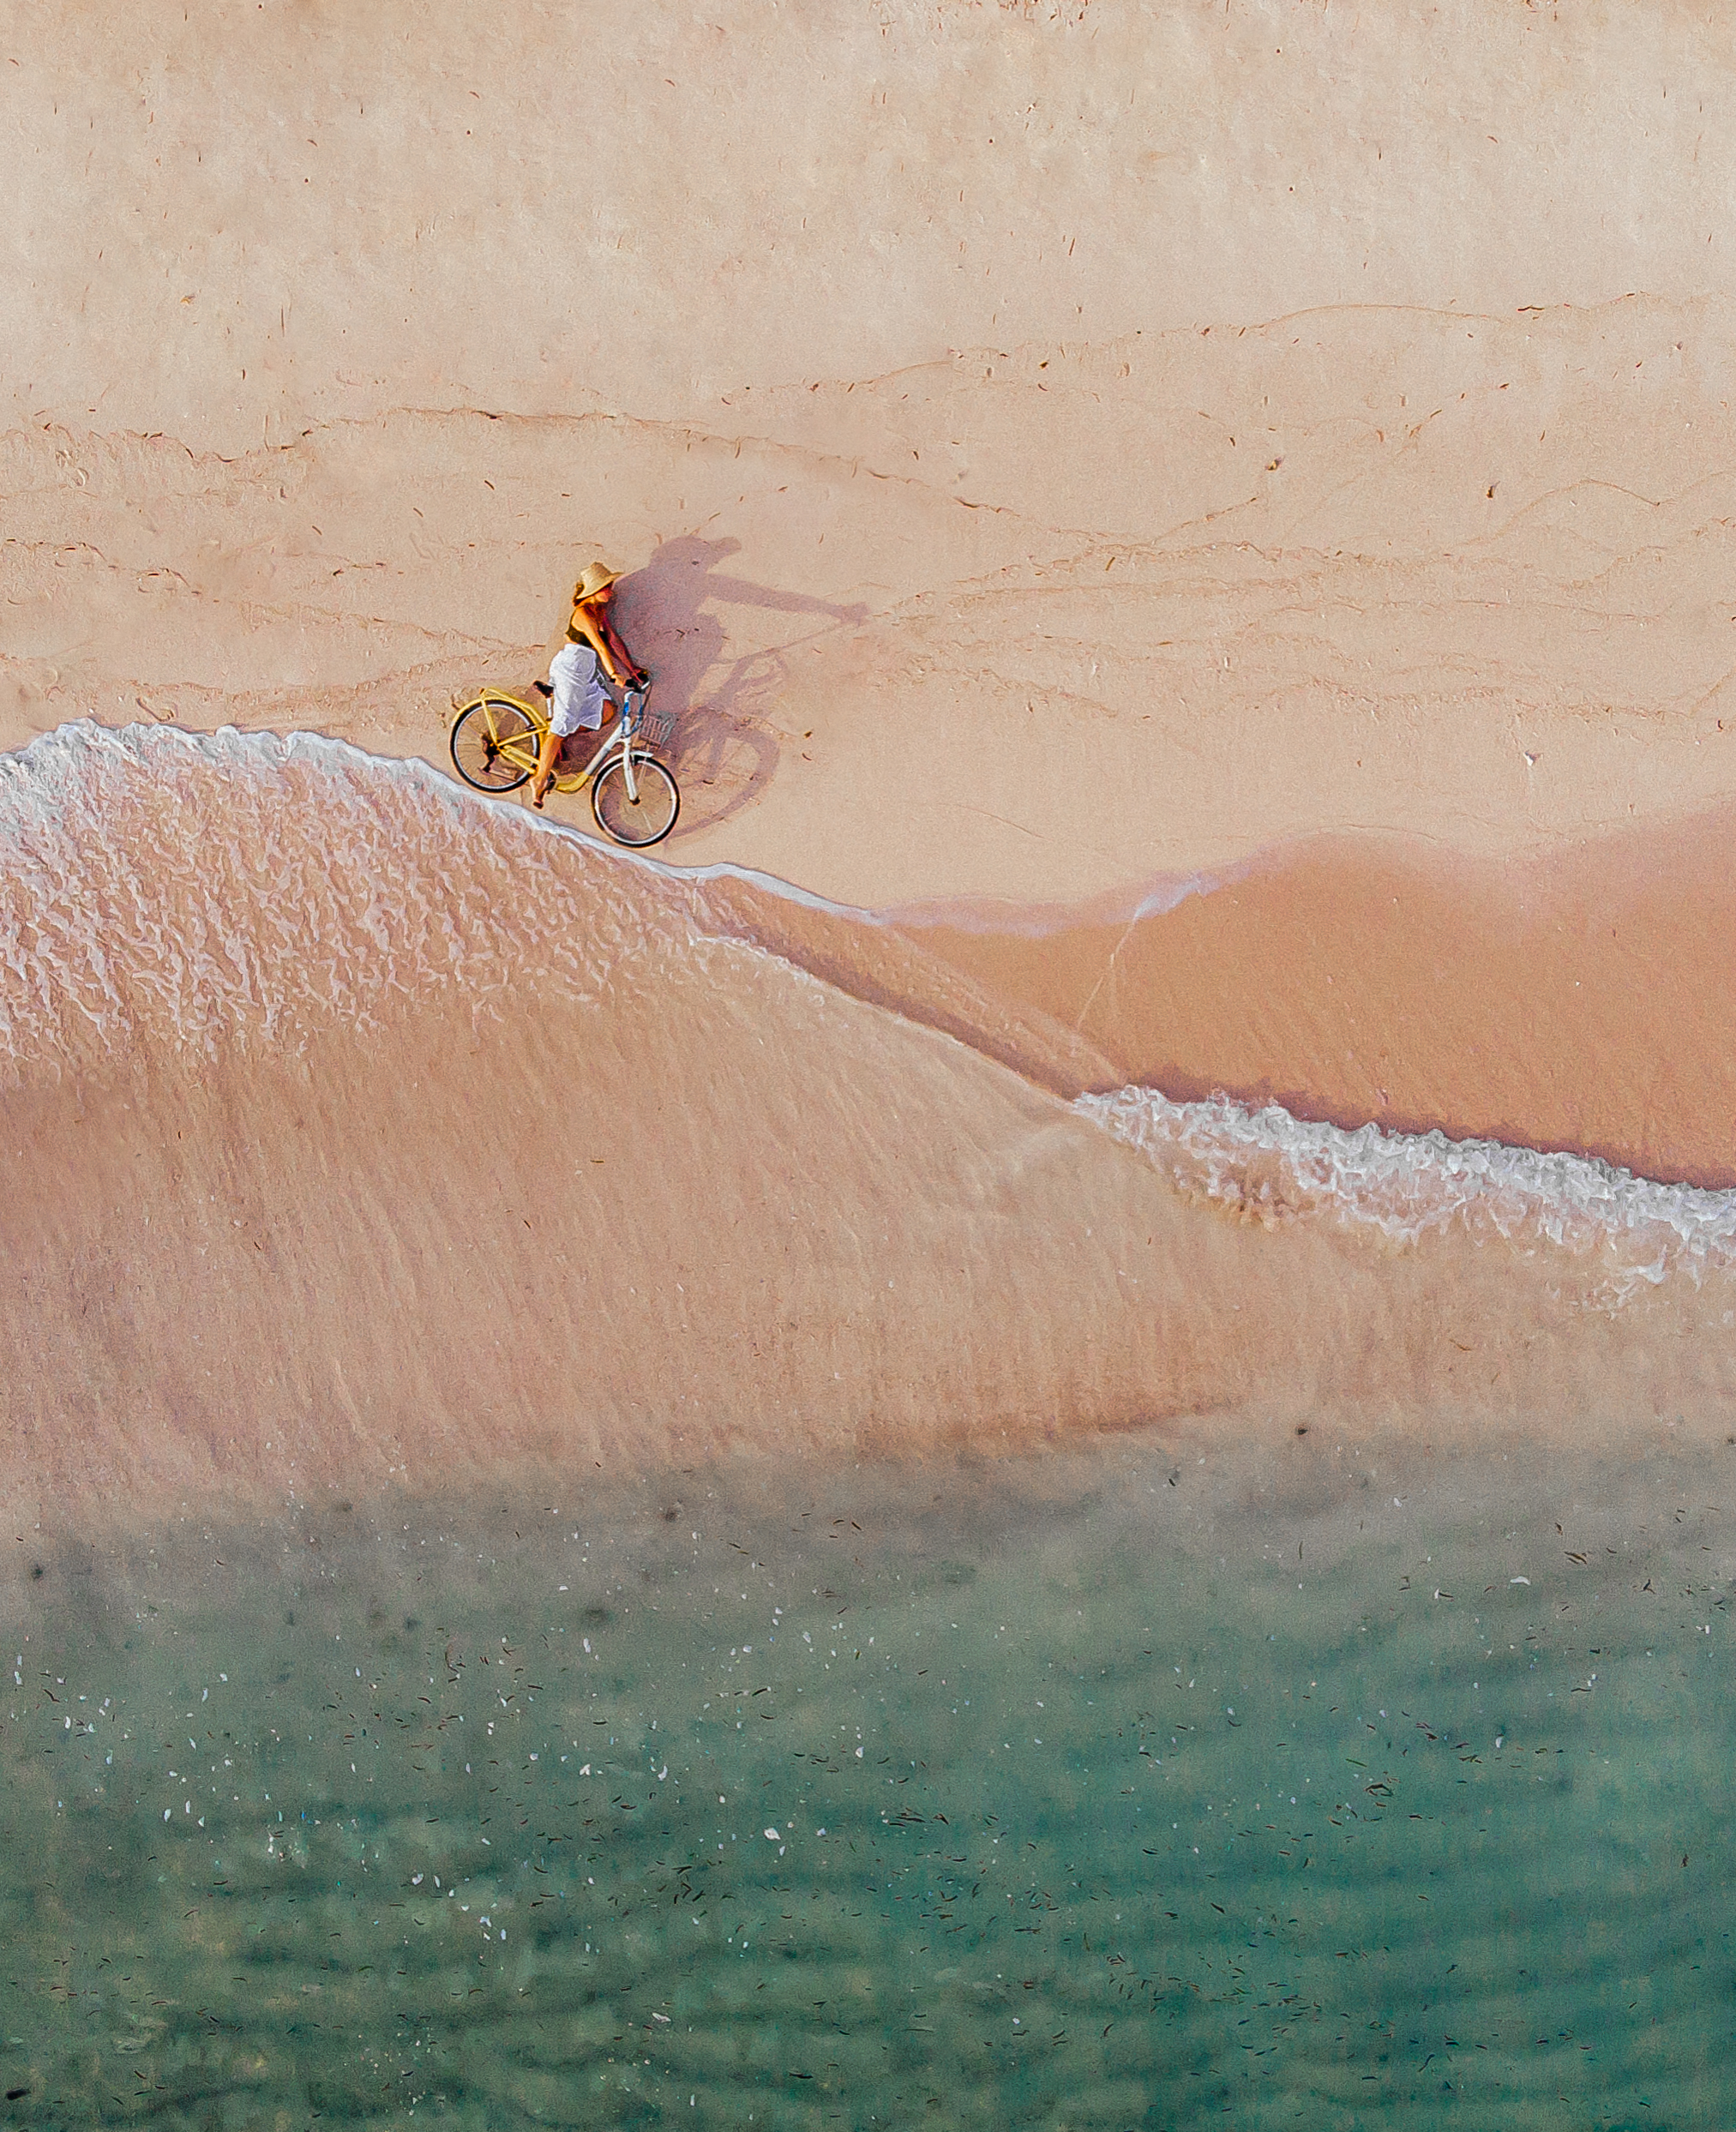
x: 1055, y: 445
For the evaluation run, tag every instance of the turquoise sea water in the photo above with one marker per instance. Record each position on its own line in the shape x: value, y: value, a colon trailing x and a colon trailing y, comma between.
x: 1129, y: 1791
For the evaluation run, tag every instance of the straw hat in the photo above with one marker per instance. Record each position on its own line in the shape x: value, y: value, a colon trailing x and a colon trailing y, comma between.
x: 591, y: 579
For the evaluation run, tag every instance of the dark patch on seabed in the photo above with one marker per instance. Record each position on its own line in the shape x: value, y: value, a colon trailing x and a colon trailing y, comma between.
x: 1333, y: 1787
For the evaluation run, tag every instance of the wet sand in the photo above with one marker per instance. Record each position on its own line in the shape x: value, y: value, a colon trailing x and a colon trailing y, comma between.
x: 1578, y: 1002
x: 543, y: 1159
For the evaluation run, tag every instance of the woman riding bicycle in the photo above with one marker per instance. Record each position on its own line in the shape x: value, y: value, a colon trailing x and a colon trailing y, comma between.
x: 593, y: 648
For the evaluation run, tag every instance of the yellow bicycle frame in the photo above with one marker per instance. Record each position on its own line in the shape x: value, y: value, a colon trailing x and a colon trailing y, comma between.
x: 522, y: 749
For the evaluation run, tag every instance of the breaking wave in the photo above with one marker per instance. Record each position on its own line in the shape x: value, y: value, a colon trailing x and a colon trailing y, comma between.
x: 192, y: 889
x: 1271, y: 1167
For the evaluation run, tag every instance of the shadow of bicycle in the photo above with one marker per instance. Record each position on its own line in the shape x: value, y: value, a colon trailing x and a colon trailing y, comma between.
x: 669, y: 611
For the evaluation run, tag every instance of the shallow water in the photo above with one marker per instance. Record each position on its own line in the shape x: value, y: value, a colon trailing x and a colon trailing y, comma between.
x: 348, y: 1178
x: 1120, y: 1791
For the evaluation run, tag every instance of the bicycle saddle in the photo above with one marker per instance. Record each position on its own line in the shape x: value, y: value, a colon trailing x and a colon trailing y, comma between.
x: 544, y: 689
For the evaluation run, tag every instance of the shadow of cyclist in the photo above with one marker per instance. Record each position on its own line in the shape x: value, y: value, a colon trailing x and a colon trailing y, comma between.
x: 669, y: 614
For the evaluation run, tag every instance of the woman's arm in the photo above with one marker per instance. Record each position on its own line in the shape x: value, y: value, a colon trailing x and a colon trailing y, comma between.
x: 631, y: 665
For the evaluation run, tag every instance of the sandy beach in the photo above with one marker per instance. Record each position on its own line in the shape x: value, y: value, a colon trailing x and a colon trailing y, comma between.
x: 1202, y: 537
x: 1036, y: 1429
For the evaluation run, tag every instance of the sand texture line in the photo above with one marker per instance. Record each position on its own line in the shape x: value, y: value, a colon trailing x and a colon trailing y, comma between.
x: 1472, y: 593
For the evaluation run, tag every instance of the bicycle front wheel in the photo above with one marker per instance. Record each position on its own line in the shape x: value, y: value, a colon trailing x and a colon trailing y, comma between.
x: 494, y: 745
x: 647, y: 820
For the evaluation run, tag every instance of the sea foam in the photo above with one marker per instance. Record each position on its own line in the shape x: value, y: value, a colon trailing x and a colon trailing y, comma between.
x: 193, y: 889
x: 1268, y: 1167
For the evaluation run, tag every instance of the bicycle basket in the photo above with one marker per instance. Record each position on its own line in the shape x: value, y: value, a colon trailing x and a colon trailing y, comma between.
x: 654, y: 727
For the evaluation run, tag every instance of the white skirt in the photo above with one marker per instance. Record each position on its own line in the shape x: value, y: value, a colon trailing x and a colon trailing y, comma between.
x: 579, y: 701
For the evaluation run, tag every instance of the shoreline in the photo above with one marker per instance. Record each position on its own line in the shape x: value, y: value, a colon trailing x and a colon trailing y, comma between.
x: 1571, y: 1003
x: 682, y: 1166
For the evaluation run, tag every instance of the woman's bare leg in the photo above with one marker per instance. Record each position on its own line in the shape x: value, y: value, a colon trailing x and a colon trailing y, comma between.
x: 547, y: 756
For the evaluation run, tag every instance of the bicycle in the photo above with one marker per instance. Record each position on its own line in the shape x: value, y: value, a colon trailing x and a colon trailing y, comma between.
x: 496, y: 738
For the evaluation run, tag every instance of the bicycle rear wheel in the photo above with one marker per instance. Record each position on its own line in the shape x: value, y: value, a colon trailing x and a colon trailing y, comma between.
x: 649, y: 818
x: 490, y: 744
